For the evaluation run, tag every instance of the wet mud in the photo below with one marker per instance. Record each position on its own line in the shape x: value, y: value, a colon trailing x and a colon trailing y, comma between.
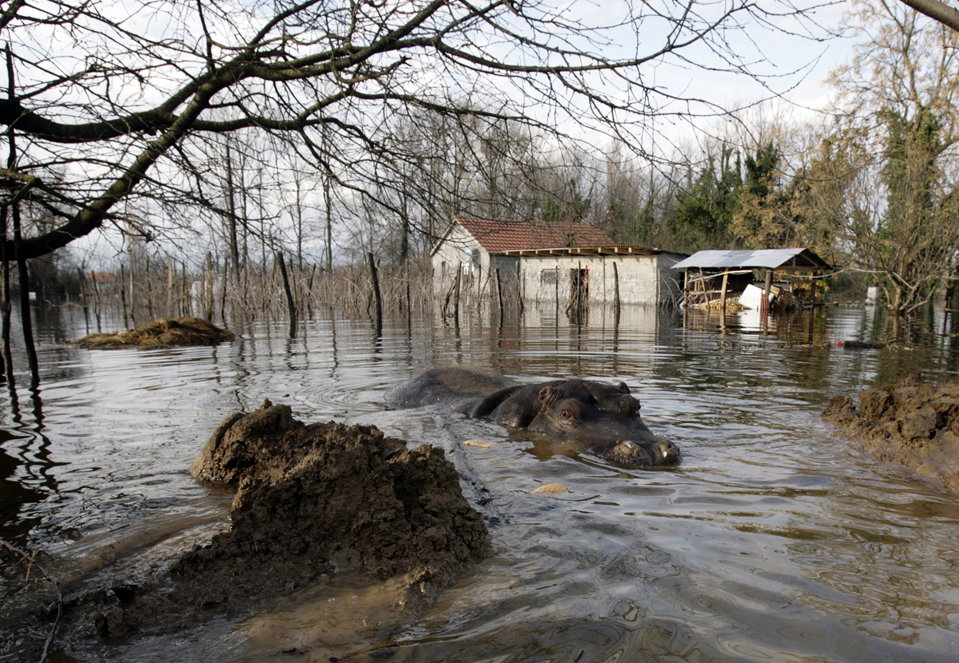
x: 311, y: 502
x: 162, y: 333
x: 914, y: 423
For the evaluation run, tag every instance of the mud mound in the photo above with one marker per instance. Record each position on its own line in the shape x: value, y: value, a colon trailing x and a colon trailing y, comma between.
x: 914, y: 423
x: 311, y: 500
x: 328, y: 496
x: 165, y: 332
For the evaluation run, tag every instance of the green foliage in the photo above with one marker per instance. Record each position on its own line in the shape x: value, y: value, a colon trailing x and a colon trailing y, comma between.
x: 767, y: 215
x: 909, y: 169
x: 636, y: 227
x: 572, y: 207
x: 761, y: 174
x: 703, y: 212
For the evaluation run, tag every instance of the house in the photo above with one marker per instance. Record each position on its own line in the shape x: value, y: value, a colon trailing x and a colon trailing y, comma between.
x: 713, y: 277
x: 532, y: 261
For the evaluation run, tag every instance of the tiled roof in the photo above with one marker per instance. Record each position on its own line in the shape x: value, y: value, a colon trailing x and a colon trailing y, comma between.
x: 498, y: 236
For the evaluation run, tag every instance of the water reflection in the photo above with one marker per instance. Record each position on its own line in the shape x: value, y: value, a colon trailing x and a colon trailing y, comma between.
x: 16, y: 492
x: 774, y: 540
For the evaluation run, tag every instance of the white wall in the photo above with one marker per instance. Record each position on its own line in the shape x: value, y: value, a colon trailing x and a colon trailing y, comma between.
x: 455, y: 252
x: 644, y: 280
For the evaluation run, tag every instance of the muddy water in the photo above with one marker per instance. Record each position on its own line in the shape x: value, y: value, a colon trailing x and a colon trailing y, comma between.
x: 773, y: 541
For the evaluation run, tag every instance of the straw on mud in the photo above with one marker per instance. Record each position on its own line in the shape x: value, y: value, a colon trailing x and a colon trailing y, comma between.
x: 56, y: 586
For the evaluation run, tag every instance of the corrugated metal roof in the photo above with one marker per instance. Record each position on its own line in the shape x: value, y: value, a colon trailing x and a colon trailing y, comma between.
x: 499, y: 236
x: 762, y: 258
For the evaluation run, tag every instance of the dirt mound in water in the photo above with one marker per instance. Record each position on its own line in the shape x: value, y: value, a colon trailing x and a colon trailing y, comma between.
x: 914, y: 423
x: 310, y: 501
x: 165, y: 332
x: 328, y: 496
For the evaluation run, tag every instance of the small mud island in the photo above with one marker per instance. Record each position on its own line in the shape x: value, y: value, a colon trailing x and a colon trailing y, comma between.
x: 311, y: 501
x: 914, y: 423
x: 162, y: 333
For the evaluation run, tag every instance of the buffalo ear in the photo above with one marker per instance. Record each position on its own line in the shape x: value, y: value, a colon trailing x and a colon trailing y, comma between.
x: 548, y: 396
x: 623, y: 387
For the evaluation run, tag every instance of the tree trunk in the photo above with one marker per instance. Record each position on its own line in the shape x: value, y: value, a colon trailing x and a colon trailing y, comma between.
x: 231, y: 209
x: 26, y: 320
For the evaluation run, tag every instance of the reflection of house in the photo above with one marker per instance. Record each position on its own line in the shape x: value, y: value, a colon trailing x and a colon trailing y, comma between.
x: 713, y: 277
x: 540, y: 262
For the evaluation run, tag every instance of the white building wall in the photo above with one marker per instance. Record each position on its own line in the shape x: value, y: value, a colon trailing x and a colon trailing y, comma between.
x: 459, y: 250
x: 643, y: 279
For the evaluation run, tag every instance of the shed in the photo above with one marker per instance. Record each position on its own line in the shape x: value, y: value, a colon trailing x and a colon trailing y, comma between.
x: 711, y: 277
x: 533, y: 261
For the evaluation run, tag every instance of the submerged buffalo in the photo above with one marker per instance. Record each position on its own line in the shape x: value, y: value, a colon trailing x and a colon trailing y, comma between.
x: 602, y: 416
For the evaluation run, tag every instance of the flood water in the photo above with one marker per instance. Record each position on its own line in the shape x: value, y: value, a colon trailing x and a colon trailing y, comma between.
x: 774, y: 540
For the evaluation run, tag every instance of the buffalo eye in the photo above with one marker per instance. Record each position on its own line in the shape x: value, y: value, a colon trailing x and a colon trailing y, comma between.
x: 564, y: 413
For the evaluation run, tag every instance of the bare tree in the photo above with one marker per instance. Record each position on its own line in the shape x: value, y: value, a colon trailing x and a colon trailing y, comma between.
x: 940, y: 11
x: 121, y: 102
x: 901, y: 92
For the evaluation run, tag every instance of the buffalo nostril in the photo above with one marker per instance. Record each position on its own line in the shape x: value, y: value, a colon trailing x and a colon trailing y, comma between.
x: 666, y: 448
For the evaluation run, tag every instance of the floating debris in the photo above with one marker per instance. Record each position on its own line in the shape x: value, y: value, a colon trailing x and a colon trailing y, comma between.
x: 860, y: 345
x: 480, y: 444
x: 552, y: 489
x: 162, y: 333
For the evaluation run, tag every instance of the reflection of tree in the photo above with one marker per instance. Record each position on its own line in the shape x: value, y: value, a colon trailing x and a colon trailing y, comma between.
x: 13, y: 496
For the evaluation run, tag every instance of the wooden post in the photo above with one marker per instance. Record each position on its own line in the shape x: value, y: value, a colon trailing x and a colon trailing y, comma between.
x: 169, y: 289
x: 187, y: 299
x: 6, y: 306
x: 96, y: 300
x: 309, y: 293
x: 701, y: 287
x: 149, y: 291
x: 456, y: 293
x: 499, y: 295
x: 377, y: 297
x: 227, y: 278
x: 764, y: 305
x: 123, y: 295
x: 208, y: 287
x: 616, y: 289
x: 290, y: 302
x: 520, y: 287
x: 133, y: 304
x: 556, y: 288
x: 723, y: 295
